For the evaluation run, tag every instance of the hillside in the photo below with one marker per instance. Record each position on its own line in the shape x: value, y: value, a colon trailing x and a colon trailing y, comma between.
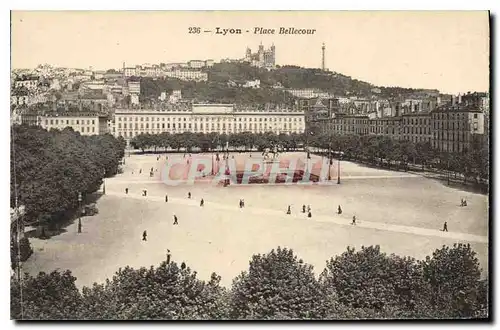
x: 224, y: 79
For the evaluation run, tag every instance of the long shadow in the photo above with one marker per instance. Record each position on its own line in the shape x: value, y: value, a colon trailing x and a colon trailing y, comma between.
x: 482, y: 189
x: 69, y: 218
x: 456, y: 184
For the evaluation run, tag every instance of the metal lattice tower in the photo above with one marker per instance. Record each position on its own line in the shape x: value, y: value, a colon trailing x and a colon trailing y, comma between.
x: 323, y: 57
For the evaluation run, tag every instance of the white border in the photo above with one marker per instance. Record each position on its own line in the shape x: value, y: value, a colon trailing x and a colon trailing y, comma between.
x: 187, y: 5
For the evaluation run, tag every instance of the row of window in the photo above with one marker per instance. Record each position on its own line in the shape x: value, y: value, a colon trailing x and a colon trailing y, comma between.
x: 451, y: 115
x: 206, y: 119
x: 420, y: 139
x: 411, y: 130
x: 451, y: 136
x: 451, y: 147
x: 451, y: 125
x: 68, y: 121
x: 416, y: 130
x: 135, y: 133
x: 416, y: 121
x: 189, y: 125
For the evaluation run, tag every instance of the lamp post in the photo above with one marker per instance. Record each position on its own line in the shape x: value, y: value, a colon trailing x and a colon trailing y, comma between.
x: 79, y: 212
x: 338, y: 170
x: 330, y: 161
x: 448, y: 171
x: 213, y: 173
x: 104, y: 181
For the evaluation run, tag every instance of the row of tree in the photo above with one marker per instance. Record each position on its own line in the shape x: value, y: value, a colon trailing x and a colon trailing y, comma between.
x: 375, y: 150
x: 50, y: 168
x: 189, y: 141
x: 364, y: 284
x: 386, y: 152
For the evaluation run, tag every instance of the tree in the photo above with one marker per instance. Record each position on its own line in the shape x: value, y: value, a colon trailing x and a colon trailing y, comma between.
x: 51, y: 168
x: 370, y: 279
x: 276, y: 285
x: 167, y: 292
x: 454, y: 277
x: 51, y: 296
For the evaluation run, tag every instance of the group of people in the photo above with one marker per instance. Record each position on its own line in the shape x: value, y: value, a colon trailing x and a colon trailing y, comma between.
x: 463, y: 203
x: 309, y: 213
x: 289, y: 209
x: 151, y: 172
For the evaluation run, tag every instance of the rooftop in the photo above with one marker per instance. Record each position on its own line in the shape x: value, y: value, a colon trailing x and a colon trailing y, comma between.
x: 456, y: 108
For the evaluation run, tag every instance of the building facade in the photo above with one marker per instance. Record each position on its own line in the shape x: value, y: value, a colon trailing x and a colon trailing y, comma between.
x: 84, y: 123
x: 207, y: 118
x: 455, y: 126
x: 416, y: 127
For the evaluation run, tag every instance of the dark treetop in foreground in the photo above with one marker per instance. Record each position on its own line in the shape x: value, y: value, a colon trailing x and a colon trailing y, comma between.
x: 365, y: 284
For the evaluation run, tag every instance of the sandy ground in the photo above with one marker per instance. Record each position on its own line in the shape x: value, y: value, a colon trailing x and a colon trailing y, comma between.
x: 402, y: 213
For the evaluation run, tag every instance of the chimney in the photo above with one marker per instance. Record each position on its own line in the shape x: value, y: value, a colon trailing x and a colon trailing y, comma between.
x: 438, y: 100
x: 459, y: 98
x: 453, y: 100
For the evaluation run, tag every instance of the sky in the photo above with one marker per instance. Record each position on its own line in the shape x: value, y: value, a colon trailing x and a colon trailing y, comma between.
x: 448, y: 51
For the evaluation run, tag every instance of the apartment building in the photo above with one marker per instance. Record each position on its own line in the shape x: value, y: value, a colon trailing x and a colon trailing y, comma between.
x: 455, y: 126
x: 84, y: 123
x: 416, y: 127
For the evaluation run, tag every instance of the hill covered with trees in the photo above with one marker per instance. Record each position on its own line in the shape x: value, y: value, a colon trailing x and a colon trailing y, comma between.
x: 225, y: 80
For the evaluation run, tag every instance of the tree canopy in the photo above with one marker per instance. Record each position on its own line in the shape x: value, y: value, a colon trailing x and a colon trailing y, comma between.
x: 364, y: 284
x: 52, y: 167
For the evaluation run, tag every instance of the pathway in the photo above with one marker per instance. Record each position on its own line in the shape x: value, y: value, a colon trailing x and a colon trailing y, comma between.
x: 342, y: 220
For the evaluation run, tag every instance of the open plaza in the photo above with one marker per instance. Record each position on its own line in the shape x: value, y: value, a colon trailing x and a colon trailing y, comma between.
x: 402, y: 212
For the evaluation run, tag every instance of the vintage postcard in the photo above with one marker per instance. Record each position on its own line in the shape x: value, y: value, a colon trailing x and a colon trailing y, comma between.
x: 232, y: 165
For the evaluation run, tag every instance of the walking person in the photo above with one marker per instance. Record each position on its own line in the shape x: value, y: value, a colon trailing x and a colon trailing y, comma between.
x: 308, y: 208
x: 353, y: 220
x: 309, y: 214
x: 175, y: 220
x: 126, y: 190
x: 303, y: 208
x: 189, y: 194
x: 144, y: 192
x: 339, y: 210
x: 166, y: 198
x: 202, y: 202
x: 140, y: 171
x: 445, y: 226
x: 241, y: 203
x: 289, y: 211
x: 144, y: 236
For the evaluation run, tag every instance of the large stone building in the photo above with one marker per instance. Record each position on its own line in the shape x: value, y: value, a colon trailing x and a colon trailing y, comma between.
x: 416, y: 127
x: 455, y: 126
x: 207, y: 118
x: 449, y: 128
x: 85, y: 123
